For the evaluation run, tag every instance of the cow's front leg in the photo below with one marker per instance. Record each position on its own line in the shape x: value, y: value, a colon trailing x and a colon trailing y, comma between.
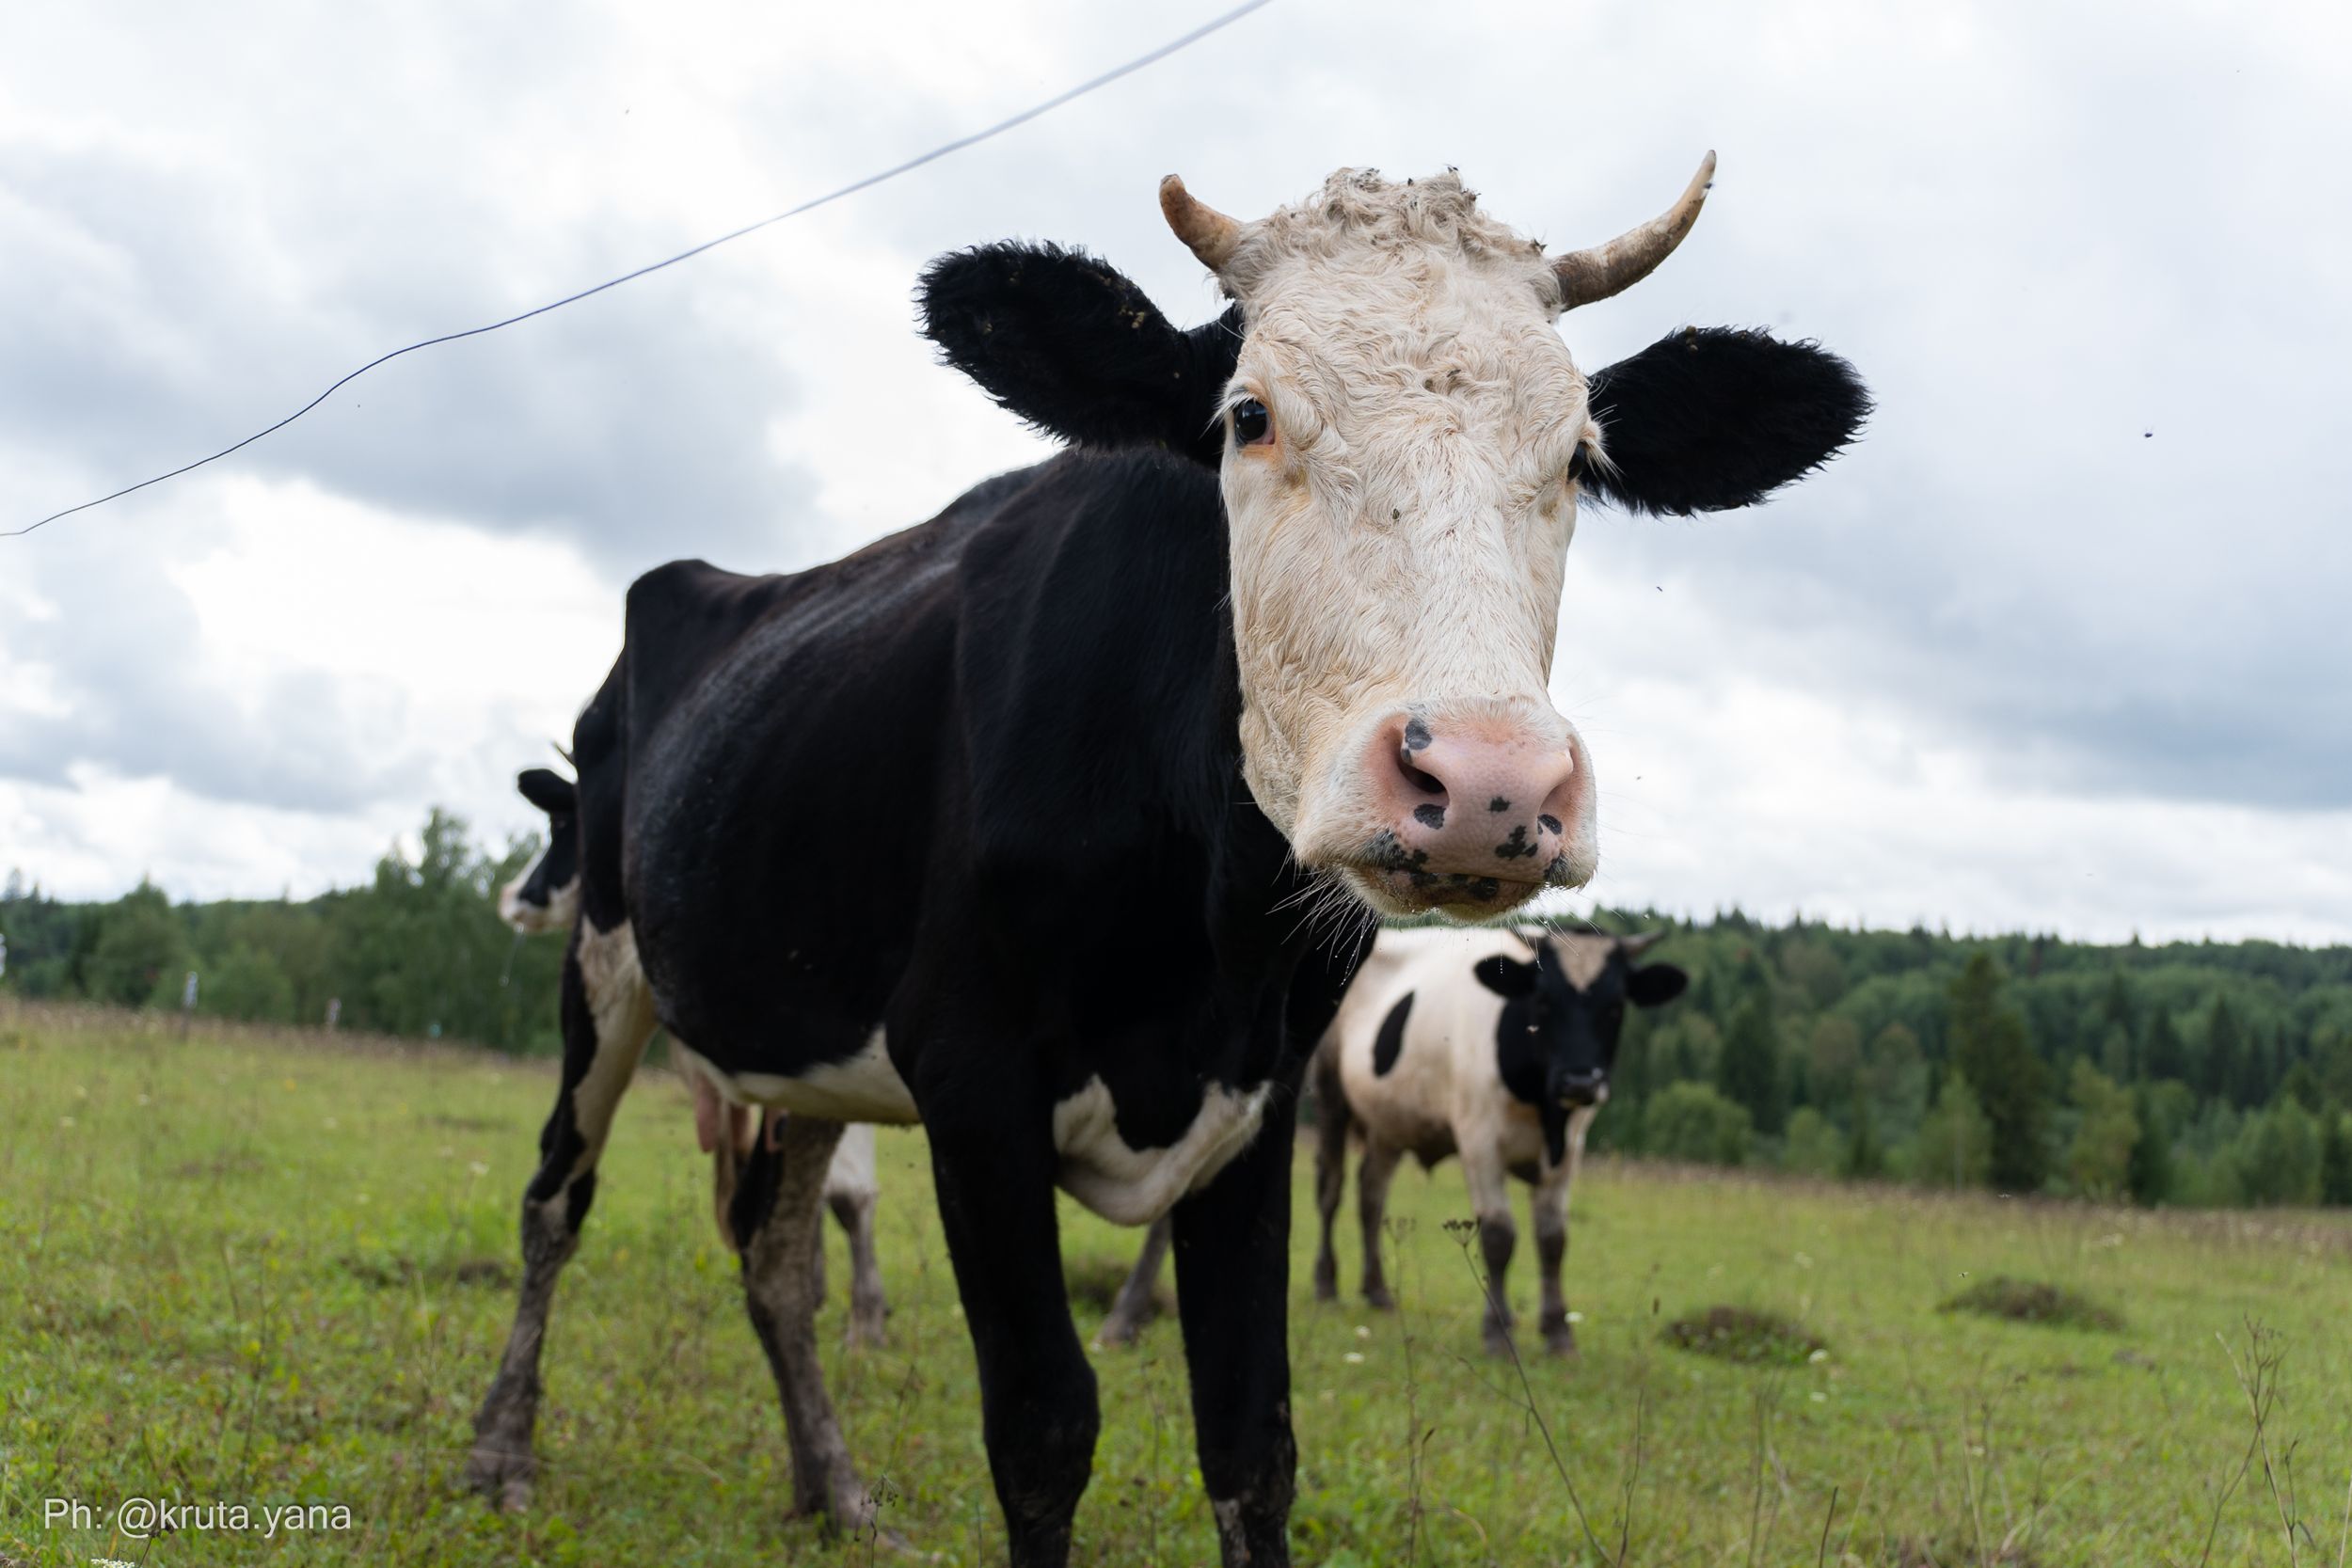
x: 1134, y: 1302
x: 1491, y: 1200
x: 607, y: 1018
x: 778, y: 1212
x: 1548, y: 1207
x: 1232, y: 1290
x: 1373, y: 1173
x: 993, y: 1161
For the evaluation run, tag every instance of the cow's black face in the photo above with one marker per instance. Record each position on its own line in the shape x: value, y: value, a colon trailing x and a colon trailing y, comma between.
x: 545, y: 896
x: 1555, y: 1041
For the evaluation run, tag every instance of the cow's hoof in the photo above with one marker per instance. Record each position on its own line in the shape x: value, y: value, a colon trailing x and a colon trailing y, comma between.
x: 865, y: 1332
x: 503, y: 1474
x: 1327, y: 1287
x: 1378, y: 1299
x: 1498, y: 1342
x: 1560, y: 1340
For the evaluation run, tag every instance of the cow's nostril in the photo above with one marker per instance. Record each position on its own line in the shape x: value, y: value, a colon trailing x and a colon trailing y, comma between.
x: 1427, y: 782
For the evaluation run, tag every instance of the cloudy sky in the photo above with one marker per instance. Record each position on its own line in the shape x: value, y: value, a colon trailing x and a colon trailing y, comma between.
x: 2064, y: 644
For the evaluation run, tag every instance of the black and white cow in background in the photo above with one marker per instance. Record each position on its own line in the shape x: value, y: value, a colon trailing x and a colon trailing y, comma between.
x: 1493, y: 1044
x: 1051, y: 791
x: 545, y: 897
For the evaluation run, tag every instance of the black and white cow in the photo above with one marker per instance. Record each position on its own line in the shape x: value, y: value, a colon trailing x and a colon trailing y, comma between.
x: 545, y: 897
x: 1270, y: 646
x: 1493, y: 1044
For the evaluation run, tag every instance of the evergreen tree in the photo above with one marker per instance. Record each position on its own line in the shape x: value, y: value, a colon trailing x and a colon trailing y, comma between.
x: 2150, y: 1178
x: 2257, y: 1074
x: 2116, y: 1012
x: 2301, y: 1085
x: 2115, y: 1054
x: 1991, y: 1051
x: 1865, y: 1158
x: 1748, y: 1070
x: 1955, y: 1145
x: 2223, y: 1071
x: 2166, y: 1057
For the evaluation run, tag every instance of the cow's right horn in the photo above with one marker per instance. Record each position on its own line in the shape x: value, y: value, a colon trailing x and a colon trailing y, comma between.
x: 1602, y: 270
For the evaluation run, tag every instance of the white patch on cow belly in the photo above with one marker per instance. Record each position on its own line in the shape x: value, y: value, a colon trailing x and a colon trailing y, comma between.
x: 853, y: 1172
x: 863, y: 1087
x: 1133, y: 1186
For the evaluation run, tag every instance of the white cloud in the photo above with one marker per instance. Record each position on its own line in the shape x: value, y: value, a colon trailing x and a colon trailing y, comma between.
x: 2012, y: 662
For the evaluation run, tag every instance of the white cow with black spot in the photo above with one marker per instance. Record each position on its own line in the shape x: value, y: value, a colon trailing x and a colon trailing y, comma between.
x: 1489, y: 1043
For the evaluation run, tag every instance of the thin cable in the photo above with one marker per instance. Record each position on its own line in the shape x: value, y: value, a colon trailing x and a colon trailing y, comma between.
x: 1163, y: 51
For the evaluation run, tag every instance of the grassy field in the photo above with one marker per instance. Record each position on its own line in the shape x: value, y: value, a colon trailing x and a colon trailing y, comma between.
x: 255, y: 1270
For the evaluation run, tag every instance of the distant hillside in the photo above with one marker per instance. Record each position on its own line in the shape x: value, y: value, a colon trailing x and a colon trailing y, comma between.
x: 2195, y: 1072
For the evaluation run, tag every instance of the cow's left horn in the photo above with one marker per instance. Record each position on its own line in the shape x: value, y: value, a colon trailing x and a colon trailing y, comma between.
x: 1206, y: 233
x: 1586, y: 276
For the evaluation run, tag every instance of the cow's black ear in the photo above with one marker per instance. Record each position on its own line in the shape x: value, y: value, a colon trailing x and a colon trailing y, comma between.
x: 1505, y: 976
x: 1655, y: 985
x: 1071, y: 346
x: 551, y: 791
x: 1714, y: 418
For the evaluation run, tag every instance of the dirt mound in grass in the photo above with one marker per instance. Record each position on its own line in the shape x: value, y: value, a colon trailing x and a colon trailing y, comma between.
x: 1743, y: 1334
x: 2030, y: 1301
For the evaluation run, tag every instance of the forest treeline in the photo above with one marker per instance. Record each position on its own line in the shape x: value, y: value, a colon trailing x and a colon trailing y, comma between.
x: 418, y: 950
x: 2204, y: 1074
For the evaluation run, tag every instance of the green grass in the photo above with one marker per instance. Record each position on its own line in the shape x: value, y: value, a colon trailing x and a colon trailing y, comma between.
x: 265, y: 1269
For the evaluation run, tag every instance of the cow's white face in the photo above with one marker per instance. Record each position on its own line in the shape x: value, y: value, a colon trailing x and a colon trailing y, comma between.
x: 1401, y: 435
x: 1403, y: 429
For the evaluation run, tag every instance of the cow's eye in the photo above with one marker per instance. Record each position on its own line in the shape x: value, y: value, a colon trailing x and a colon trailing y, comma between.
x: 1252, y: 425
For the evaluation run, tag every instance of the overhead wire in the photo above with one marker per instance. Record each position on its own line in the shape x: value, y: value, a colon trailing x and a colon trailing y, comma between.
x: 1173, y: 46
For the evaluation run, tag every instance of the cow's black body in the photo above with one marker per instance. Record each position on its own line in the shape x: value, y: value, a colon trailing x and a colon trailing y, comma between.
x: 973, y: 771
x: 979, y: 785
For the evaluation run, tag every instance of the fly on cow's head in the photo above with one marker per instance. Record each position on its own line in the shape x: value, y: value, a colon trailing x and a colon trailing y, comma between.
x: 1563, y: 1015
x: 1402, y: 438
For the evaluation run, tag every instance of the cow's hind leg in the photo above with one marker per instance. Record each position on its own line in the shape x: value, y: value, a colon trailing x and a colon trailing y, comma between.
x: 1331, y: 1120
x: 1372, y: 1173
x: 1232, y: 1291
x: 1134, y: 1302
x: 869, y: 1306
x: 607, y: 1018
x: 779, y: 1213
